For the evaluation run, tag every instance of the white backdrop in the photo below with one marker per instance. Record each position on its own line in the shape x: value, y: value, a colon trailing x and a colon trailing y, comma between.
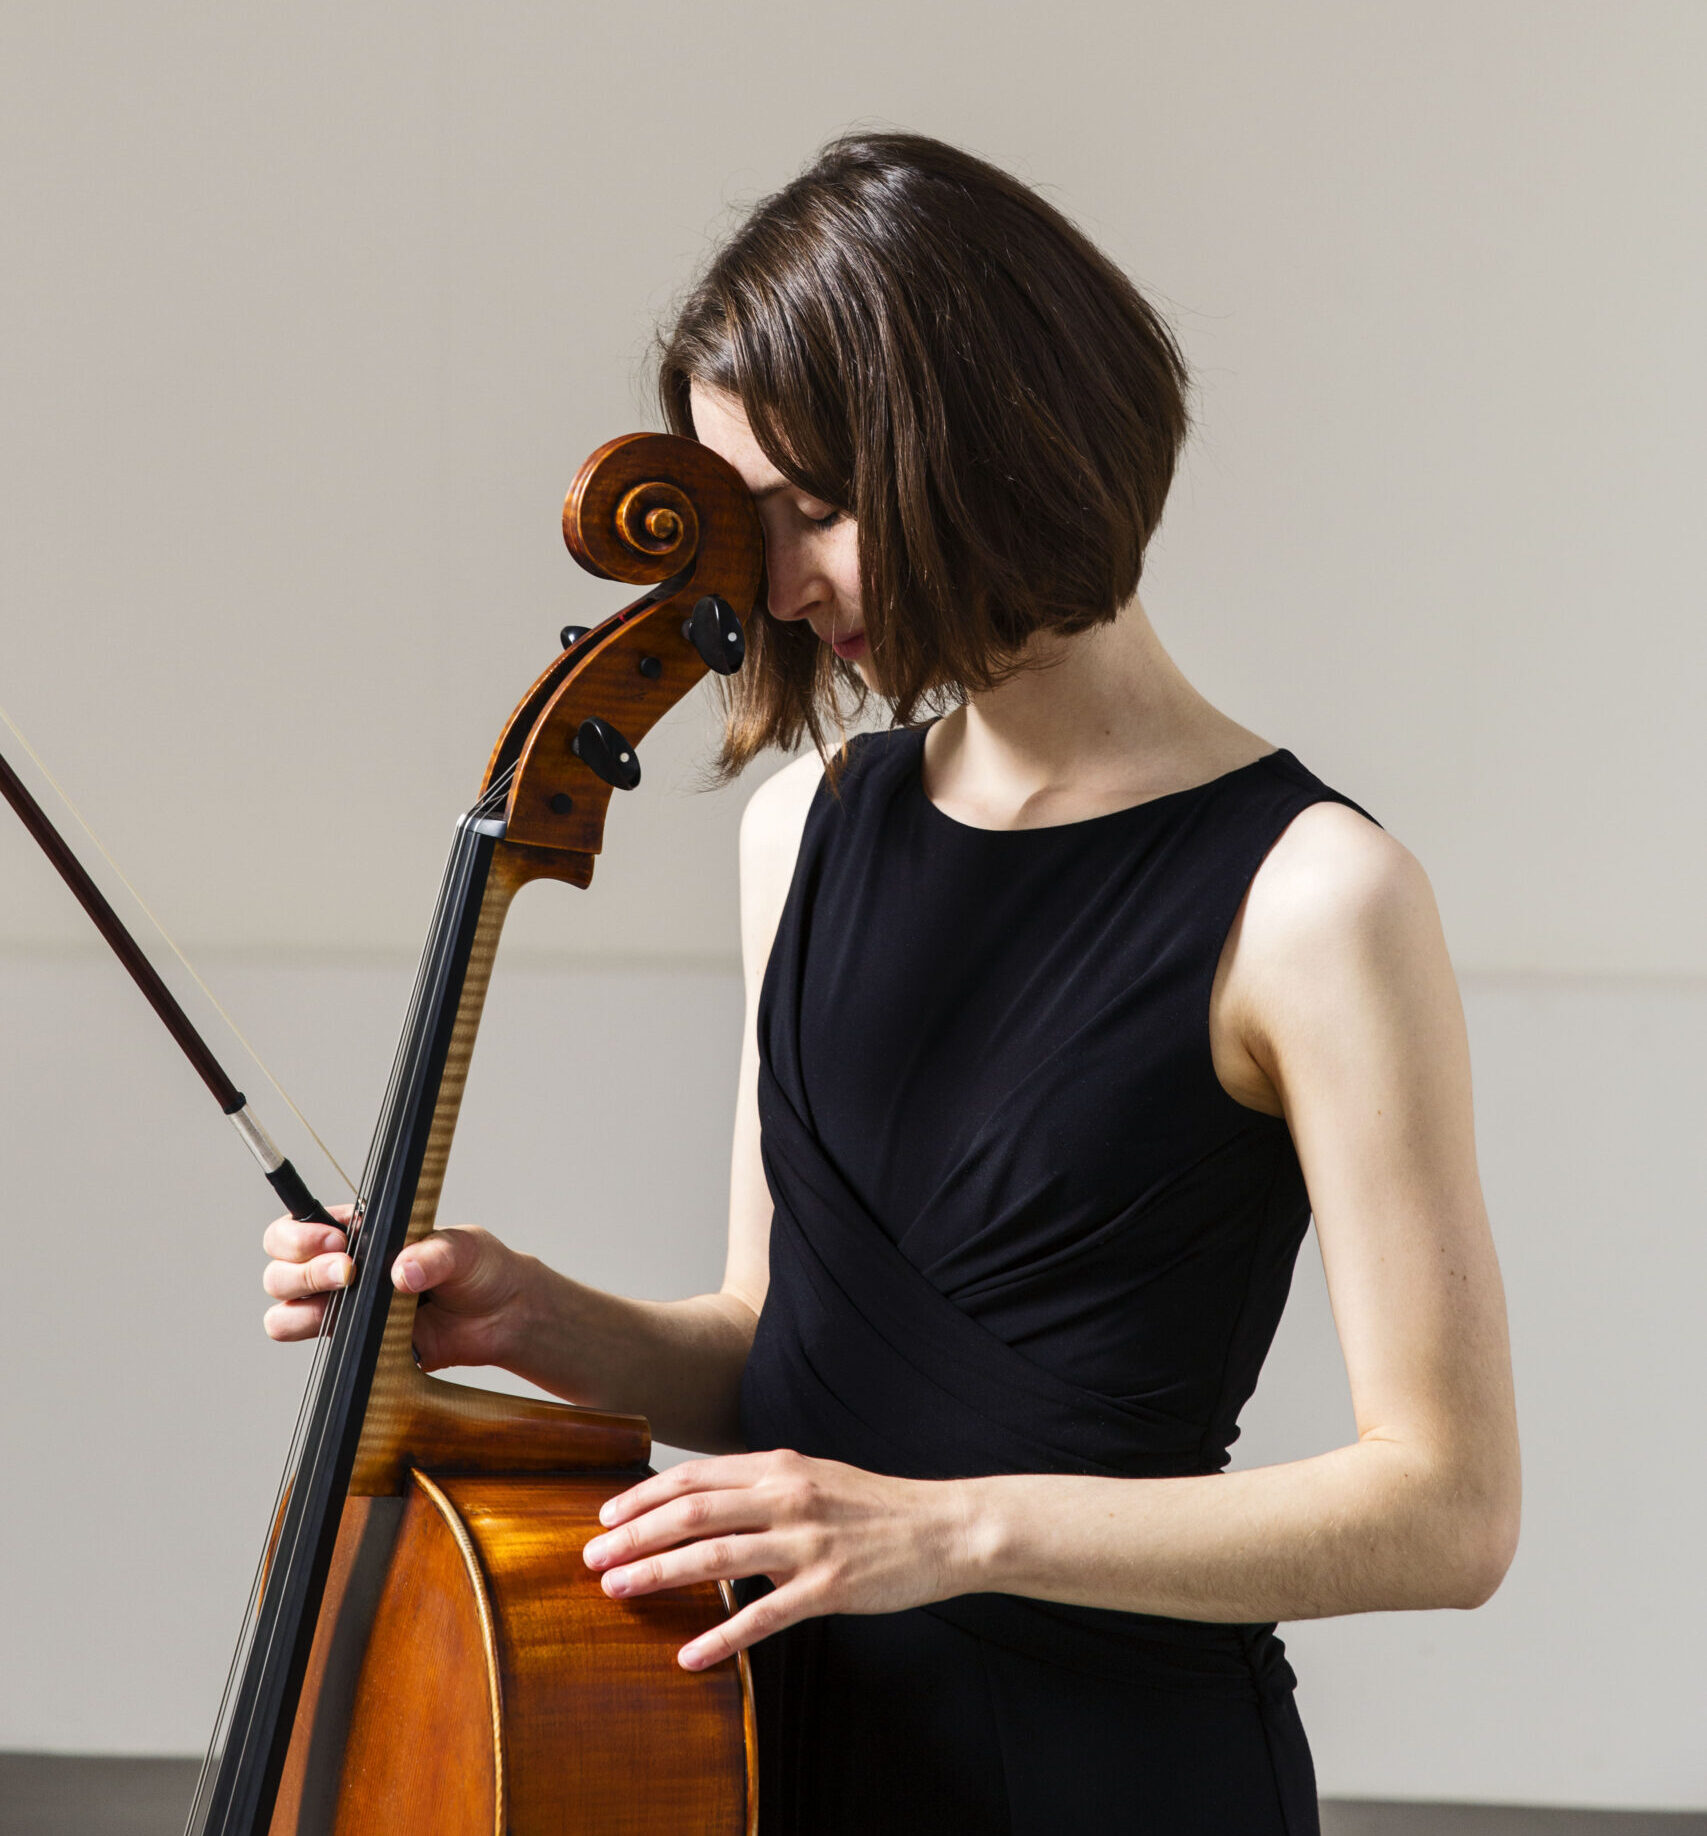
x: 306, y: 319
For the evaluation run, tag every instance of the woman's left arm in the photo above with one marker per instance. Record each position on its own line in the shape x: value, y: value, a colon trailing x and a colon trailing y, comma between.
x: 1338, y: 983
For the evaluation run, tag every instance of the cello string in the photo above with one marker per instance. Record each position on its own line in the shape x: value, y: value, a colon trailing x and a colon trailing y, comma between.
x: 330, y: 1358
x: 166, y: 937
x: 321, y: 1372
x: 324, y: 1372
x: 280, y: 1555
x: 281, y: 1558
x: 283, y: 1555
x: 312, y: 1390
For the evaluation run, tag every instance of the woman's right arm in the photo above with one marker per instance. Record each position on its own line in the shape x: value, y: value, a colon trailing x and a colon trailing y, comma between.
x: 677, y: 1362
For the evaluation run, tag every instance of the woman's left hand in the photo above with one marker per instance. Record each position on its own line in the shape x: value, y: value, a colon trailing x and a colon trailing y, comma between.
x: 831, y: 1539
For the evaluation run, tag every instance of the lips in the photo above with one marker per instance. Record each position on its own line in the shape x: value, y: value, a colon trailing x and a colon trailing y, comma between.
x: 851, y: 647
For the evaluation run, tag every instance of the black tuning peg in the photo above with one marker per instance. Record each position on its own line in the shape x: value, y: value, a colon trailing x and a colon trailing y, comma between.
x: 715, y: 632
x: 571, y: 635
x: 605, y: 753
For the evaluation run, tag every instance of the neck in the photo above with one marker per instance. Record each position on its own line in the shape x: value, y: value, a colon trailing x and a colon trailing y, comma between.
x: 1092, y: 723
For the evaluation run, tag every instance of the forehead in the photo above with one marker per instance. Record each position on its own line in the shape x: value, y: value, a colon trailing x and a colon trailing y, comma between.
x: 721, y: 425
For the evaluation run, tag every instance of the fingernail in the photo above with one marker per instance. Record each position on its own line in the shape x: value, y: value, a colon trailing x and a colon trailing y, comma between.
x: 408, y: 1277
x: 615, y: 1585
x: 607, y: 1511
x: 594, y: 1552
x: 690, y: 1657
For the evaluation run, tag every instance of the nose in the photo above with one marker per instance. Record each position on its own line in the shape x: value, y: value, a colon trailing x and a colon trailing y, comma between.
x: 793, y: 585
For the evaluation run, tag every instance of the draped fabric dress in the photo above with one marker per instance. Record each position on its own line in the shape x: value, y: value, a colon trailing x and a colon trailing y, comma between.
x: 1019, y: 1227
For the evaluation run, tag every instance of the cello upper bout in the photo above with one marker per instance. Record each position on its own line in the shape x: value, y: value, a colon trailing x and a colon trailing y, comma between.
x: 424, y: 1750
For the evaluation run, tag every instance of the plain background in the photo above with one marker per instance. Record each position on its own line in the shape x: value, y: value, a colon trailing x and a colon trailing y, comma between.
x: 306, y: 319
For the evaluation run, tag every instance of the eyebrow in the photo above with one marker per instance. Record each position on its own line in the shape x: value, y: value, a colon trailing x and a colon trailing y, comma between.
x: 781, y: 484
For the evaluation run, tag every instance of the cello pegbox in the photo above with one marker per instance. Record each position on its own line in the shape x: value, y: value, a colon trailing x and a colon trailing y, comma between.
x: 654, y: 510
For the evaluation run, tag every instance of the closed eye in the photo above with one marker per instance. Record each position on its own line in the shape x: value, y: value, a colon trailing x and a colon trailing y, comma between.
x: 827, y: 522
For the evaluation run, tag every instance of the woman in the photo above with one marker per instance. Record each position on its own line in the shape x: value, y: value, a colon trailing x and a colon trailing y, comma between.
x: 1065, y: 1011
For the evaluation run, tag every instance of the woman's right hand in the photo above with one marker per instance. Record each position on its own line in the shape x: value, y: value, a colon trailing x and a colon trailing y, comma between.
x: 476, y: 1285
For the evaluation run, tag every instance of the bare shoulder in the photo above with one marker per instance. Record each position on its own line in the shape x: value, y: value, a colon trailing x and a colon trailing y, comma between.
x: 1339, y: 934
x: 774, y: 817
x: 771, y: 828
x: 1335, y: 877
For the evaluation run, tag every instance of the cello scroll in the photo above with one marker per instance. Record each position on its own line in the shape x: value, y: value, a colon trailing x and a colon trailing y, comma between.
x: 652, y: 510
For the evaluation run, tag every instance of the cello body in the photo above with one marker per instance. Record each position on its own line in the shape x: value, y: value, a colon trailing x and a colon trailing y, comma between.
x: 493, y: 1688
x: 425, y: 1649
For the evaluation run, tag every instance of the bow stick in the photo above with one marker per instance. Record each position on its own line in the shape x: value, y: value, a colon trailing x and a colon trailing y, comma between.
x: 284, y: 1179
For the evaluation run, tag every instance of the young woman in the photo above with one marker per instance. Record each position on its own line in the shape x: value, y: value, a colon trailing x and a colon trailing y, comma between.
x: 1065, y: 1012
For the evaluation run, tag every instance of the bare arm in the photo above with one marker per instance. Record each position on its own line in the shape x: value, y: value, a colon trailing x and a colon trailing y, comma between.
x: 680, y: 1362
x: 1339, y: 987
x: 1343, y: 993
x: 677, y: 1362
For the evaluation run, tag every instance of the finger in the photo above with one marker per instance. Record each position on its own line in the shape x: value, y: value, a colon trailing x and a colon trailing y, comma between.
x: 439, y: 1257
x: 783, y: 1607
x: 289, y: 1281
x: 719, y: 1474
x: 287, y: 1240
x: 434, y: 1351
x: 680, y: 1520
x: 294, y: 1319
x: 717, y: 1558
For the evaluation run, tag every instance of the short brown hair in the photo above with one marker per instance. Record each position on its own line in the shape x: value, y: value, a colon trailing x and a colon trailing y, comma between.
x: 919, y: 339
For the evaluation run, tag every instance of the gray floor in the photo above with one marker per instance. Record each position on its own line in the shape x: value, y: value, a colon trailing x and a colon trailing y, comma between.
x: 1356, y: 1817
x: 43, y: 1794
x: 55, y: 1795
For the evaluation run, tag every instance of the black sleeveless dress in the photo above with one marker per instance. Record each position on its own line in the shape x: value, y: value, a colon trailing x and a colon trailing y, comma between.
x: 1019, y: 1228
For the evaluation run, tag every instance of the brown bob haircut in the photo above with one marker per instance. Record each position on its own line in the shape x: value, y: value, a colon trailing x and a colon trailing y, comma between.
x: 920, y: 340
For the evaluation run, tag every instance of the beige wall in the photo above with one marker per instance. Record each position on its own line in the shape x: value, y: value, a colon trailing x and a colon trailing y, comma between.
x: 308, y: 316
x: 311, y: 313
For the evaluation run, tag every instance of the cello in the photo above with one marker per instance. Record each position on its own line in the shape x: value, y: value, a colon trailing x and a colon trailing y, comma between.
x: 424, y: 1649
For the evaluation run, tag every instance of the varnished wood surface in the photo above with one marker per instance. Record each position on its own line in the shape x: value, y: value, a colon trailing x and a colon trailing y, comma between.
x: 491, y: 1621
x: 422, y: 1753
x: 361, y: 1559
